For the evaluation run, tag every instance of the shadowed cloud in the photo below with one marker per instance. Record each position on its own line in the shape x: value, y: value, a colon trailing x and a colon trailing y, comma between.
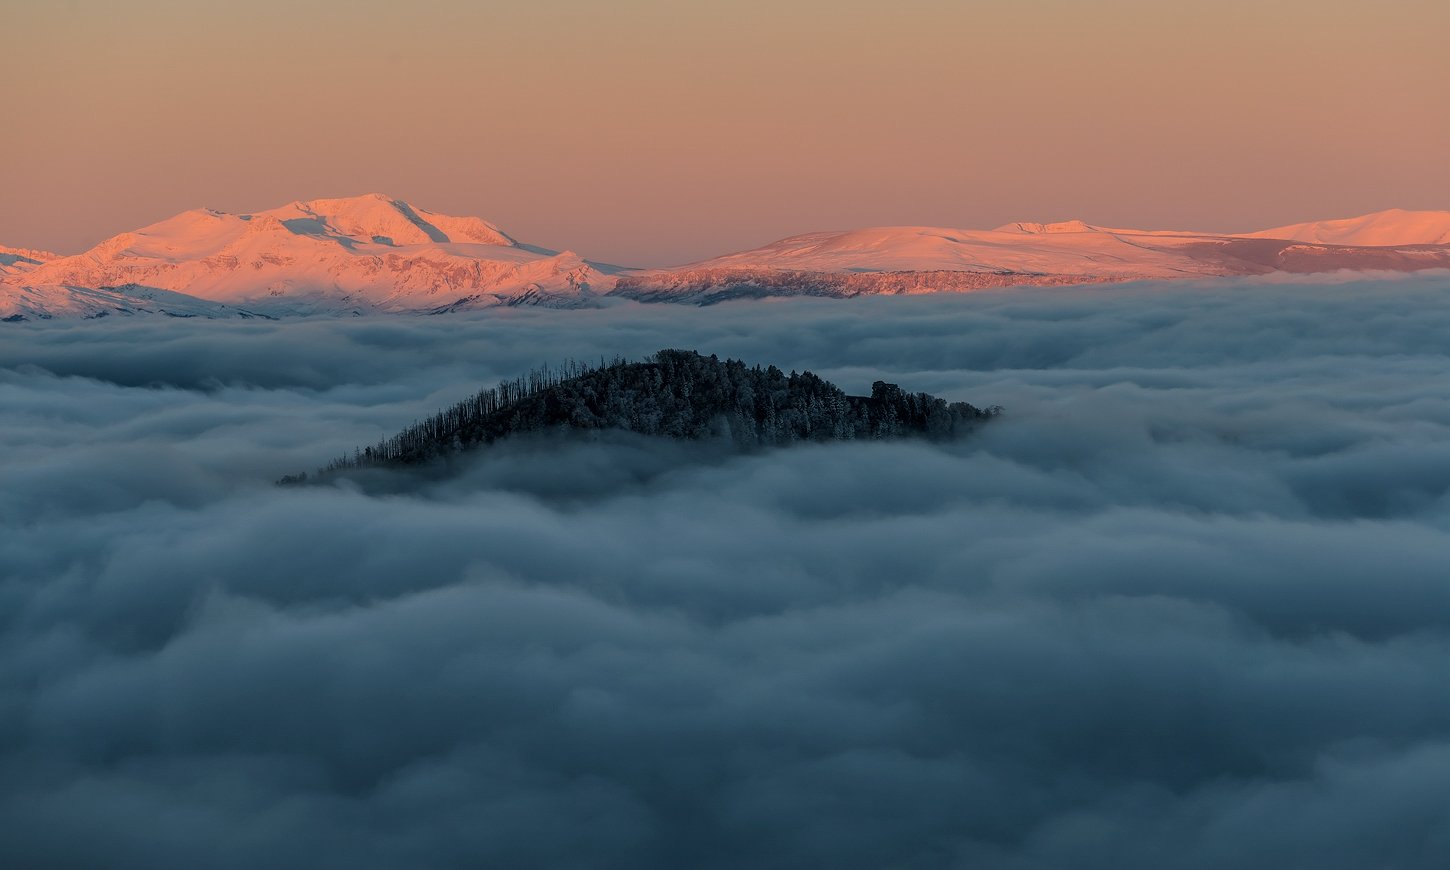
x: 1182, y: 605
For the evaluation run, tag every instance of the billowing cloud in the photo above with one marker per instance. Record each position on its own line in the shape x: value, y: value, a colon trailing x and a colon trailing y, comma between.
x: 1184, y: 605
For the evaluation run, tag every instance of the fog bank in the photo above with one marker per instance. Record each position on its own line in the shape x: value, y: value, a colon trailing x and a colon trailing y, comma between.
x: 1185, y: 604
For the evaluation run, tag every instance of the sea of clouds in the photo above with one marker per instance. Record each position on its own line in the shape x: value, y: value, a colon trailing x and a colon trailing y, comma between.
x: 1186, y: 604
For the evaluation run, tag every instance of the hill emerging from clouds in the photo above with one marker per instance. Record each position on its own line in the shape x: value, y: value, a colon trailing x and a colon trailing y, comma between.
x: 676, y: 394
x: 377, y: 254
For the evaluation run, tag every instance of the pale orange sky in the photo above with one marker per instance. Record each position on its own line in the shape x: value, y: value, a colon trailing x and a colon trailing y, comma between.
x: 647, y: 132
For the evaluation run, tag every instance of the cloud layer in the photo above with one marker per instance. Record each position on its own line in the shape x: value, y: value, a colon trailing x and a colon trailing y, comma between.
x: 1184, y: 605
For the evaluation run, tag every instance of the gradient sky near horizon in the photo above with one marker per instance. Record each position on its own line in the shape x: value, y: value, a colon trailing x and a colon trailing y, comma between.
x: 649, y: 133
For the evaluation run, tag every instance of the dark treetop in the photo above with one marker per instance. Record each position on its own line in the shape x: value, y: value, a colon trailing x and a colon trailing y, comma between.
x: 675, y: 394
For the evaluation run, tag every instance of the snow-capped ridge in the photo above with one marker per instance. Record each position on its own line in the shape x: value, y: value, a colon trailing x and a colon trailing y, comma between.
x: 380, y: 219
x: 897, y: 260
x: 28, y: 253
x: 15, y: 261
x: 1034, y: 228
x: 1395, y: 226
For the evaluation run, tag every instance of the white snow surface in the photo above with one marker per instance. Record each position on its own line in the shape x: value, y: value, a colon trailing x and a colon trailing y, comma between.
x: 1394, y: 226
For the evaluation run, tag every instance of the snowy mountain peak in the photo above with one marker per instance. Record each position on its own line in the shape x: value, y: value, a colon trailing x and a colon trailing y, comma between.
x: 380, y: 219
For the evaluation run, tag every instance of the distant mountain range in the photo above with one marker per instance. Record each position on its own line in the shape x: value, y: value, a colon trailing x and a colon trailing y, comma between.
x: 373, y: 253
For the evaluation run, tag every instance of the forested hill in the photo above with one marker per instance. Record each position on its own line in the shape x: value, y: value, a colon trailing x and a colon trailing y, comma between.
x: 675, y: 394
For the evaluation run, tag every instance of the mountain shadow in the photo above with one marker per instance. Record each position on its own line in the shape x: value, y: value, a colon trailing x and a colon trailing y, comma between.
x: 677, y: 394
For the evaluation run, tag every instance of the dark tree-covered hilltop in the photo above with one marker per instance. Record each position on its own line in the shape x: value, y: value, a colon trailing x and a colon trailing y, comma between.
x: 675, y: 394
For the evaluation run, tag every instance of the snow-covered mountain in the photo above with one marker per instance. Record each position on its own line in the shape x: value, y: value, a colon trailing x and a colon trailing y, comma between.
x: 366, y: 253
x: 378, y: 254
x: 934, y: 259
x: 1395, y: 226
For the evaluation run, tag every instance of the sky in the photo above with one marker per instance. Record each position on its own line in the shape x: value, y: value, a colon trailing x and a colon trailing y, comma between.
x: 646, y: 132
x: 1181, y: 605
